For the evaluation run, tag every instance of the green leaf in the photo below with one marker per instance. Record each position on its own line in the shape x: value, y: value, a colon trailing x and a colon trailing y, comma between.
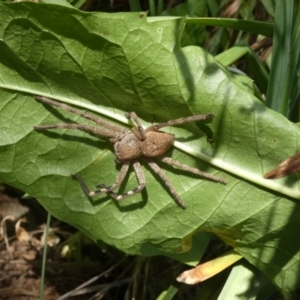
x: 169, y: 294
x: 234, y: 53
x: 241, y: 284
x: 58, y: 2
x: 269, y: 6
x: 112, y: 63
x: 134, y: 5
x: 285, y: 58
x: 193, y: 34
x: 257, y: 27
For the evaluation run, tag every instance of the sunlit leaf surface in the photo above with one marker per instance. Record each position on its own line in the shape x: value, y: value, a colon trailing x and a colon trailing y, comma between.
x: 112, y: 63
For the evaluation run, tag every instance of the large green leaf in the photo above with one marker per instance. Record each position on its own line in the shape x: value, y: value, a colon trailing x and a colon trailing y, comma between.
x: 111, y: 63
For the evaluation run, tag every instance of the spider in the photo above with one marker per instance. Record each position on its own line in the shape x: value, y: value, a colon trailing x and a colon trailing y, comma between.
x: 130, y: 145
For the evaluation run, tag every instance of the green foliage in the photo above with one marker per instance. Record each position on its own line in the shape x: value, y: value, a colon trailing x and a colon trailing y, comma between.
x: 112, y: 63
x: 194, y: 34
x: 284, y: 87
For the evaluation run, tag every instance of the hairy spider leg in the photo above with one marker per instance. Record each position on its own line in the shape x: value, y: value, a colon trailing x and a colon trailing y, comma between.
x: 119, y: 180
x: 141, y: 181
x: 80, y: 113
x: 141, y: 131
x: 86, y: 128
x: 179, y: 121
x: 184, y: 167
x: 168, y: 183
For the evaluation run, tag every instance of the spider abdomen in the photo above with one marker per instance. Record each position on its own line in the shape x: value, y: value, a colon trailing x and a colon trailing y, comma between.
x: 156, y: 143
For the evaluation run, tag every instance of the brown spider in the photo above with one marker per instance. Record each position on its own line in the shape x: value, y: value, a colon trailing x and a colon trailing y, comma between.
x: 129, y: 145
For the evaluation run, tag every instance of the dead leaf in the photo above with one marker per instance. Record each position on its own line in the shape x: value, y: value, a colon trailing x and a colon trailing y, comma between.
x: 209, y: 269
x: 287, y: 167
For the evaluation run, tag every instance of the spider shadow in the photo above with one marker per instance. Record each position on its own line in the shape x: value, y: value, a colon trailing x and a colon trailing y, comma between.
x: 133, y: 206
x: 205, y: 130
x: 99, y: 144
x: 202, y: 166
x: 122, y: 189
x: 203, y: 126
x: 103, y: 198
x: 165, y: 167
x: 191, y: 138
x: 55, y: 111
x: 205, y: 150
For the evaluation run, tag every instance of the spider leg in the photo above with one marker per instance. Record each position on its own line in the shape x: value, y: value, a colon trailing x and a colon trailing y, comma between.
x: 119, y: 180
x: 86, y: 128
x: 78, y: 112
x: 163, y: 176
x: 141, y: 180
x: 177, y: 164
x: 180, y: 121
x: 83, y: 185
x: 141, y: 131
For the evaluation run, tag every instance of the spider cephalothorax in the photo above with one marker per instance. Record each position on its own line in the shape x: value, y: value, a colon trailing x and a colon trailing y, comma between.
x: 129, y: 145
